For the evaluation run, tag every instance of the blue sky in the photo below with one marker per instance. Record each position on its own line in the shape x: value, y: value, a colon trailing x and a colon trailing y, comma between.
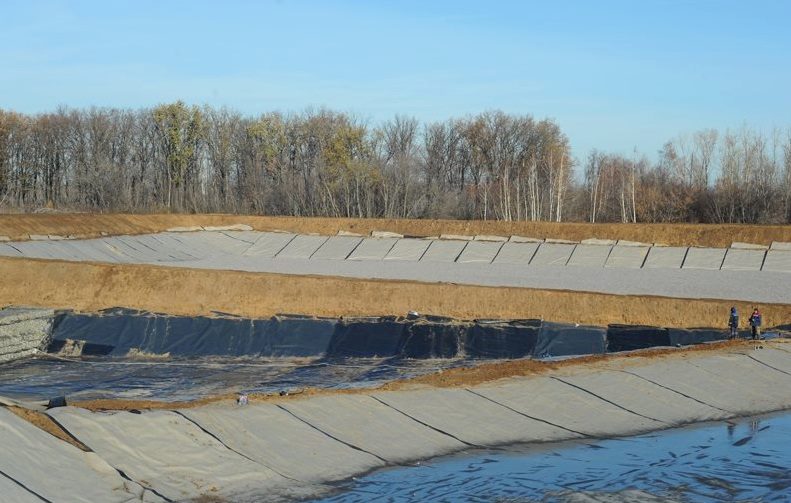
x: 616, y: 75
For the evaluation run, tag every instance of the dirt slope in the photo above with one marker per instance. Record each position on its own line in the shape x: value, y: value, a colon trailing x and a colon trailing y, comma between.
x: 18, y: 227
x: 90, y: 287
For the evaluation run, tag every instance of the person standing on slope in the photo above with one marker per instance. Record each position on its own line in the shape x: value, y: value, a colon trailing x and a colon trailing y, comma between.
x: 755, y: 323
x: 733, y: 323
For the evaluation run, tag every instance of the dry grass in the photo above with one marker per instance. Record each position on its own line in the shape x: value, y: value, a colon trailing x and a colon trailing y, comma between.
x: 19, y: 226
x: 190, y: 292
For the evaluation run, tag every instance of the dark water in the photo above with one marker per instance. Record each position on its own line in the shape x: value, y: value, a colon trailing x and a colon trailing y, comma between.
x: 746, y: 459
x: 188, y: 379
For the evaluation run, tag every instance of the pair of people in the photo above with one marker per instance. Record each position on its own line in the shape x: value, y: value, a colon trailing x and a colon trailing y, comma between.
x: 755, y: 323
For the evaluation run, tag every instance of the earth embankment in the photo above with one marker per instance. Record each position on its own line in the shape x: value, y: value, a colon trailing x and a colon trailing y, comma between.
x: 21, y: 226
x: 92, y: 287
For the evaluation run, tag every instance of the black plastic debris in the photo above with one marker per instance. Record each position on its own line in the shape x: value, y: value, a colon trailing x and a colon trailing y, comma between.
x: 58, y: 401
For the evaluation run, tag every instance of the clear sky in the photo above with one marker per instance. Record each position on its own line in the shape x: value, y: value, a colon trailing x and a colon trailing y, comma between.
x: 615, y: 74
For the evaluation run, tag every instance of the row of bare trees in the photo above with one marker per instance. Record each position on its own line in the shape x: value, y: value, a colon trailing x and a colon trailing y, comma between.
x: 494, y: 165
x: 735, y: 177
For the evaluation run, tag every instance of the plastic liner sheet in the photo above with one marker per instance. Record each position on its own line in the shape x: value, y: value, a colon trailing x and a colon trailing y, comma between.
x: 299, y: 337
x: 560, y: 339
x: 408, y: 249
x: 269, y: 244
x: 479, y: 252
x: 704, y: 258
x: 373, y: 249
x: 367, y: 339
x: 337, y: 248
x: 552, y: 254
x: 589, y: 255
x: 631, y: 257
x: 443, y: 251
x: 516, y: 253
x: 121, y: 333
x: 631, y: 337
x: 665, y: 257
x: 743, y: 260
x: 502, y: 340
x: 777, y: 261
x: 433, y: 340
x: 686, y: 337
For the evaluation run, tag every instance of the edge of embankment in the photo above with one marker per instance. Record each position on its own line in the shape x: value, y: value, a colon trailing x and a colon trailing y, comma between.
x: 93, y: 287
x: 88, y: 225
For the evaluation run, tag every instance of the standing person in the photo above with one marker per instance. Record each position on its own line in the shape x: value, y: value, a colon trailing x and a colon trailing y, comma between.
x: 755, y: 323
x: 733, y: 323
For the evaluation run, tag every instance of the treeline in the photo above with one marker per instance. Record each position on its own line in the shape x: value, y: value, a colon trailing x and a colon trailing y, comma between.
x: 179, y: 158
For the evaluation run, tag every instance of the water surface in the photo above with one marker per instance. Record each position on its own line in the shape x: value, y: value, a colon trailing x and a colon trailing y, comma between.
x: 745, y: 459
x: 185, y: 379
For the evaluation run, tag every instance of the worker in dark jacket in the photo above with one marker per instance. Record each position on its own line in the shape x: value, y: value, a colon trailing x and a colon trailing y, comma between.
x: 733, y: 323
x: 755, y: 323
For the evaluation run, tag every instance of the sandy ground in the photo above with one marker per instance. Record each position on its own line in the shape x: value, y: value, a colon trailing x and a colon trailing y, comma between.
x: 92, y: 287
x: 19, y: 226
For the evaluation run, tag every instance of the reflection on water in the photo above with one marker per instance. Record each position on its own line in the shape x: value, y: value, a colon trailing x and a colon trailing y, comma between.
x: 739, y: 460
x: 193, y: 378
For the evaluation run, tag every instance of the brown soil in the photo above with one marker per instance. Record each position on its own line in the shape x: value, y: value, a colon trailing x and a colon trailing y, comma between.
x: 91, y: 287
x: 20, y: 226
x: 46, y: 423
x: 458, y: 377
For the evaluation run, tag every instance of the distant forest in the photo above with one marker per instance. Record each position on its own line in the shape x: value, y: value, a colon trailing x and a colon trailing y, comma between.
x: 180, y: 158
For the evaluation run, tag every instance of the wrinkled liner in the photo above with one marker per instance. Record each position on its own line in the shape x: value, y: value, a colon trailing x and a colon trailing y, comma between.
x: 123, y: 333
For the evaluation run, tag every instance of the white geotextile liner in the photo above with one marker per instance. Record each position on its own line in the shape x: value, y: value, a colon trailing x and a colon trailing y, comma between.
x: 221, y: 242
x: 165, y: 246
x: 480, y: 251
x: 743, y: 260
x: 564, y: 405
x: 337, y: 248
x: 373, y: 249
x: 443, y: 251
x: 39, y: 249
x: 552, y: 254
x: 704, y: 258
x: 631, y: 257
x: 665, y: 257
x: 9, y: 251
x: 777, y: 261
x: 369, y: 425
x: 269, y: 244
x: 207, y: 244
x: 169, y: 452
x: 516, y: 253
x: 724, y: 389
x: 12, y: 491
x: 408, y: 249
x: 471, y: 418
x: 95, y: 250
x: 774, y: 387
x: 645, y: 398
x: 132, y: 248
x: 275, y: 438
x: 54, y: 469
x: 302, y: 247
x: 589, y: 255
x: 249, y: 237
